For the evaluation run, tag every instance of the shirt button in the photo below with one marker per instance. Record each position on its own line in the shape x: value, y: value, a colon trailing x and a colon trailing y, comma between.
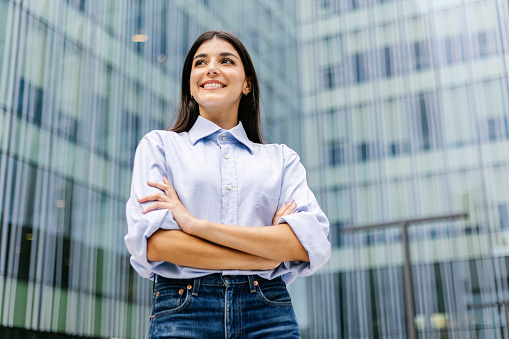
x: 229, y: 187
x: 223, y: 138
x: 224, y: 134
x: 226, y: 156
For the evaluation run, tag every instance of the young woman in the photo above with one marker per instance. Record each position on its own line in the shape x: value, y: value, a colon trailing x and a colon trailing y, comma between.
x: 221, y: 221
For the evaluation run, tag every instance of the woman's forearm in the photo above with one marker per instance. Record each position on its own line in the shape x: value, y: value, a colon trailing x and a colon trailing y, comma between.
x: 183, y: 249
x: 278, y: 242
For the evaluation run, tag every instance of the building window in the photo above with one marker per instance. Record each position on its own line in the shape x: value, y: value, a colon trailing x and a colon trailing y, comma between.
x: 30, y: 102
x: 397, y: 148
x: 328, y: 80
x: 421, y: 55
x: 323, y: 4
x: 387, y: 71
x: 78, y: 4
x: 504, y: 216
x: 359, y: 60
x: 66, y: 126
x: 337, y: 154
x: 131, y: 125
x: 453, y: 50
x: 484, y: 44
x: 427, y: 122
x: 366, y: 150
x: 424, y: 123
x: 493, y: 129
x: 363, y: 151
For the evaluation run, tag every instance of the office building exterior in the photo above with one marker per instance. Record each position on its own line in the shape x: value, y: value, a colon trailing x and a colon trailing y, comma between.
x: 80, y: 83
x: 398, y: 109
x: 405, y: 115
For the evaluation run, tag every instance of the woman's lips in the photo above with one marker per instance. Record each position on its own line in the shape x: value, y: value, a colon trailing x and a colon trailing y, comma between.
x: 212, y: 85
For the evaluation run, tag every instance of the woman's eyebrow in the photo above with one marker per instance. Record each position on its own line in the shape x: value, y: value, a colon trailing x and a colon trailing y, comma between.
x: 228, y: 54
x: 204, y: 55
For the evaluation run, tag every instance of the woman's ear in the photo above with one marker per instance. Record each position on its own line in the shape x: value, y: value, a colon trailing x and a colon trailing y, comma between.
x: 247, y: 87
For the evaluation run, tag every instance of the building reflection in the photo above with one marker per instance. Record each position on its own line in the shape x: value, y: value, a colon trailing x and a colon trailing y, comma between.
x: 398, y: 108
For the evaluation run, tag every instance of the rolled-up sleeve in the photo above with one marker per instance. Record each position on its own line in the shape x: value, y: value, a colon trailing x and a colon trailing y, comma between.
x: 310, y: 224
x: 149, y: 165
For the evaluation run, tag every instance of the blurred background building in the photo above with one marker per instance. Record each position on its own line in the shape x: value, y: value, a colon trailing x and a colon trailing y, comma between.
x: 398, y: 108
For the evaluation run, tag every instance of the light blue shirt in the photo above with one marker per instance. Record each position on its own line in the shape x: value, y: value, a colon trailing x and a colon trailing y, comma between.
x: 221, y: 176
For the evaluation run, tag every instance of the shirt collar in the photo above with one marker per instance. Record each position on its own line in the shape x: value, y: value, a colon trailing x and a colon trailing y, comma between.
x: 203, y: 128
x: 240, y: 134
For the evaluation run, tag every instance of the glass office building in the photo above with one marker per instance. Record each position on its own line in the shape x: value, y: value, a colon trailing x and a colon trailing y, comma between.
x: 398, y: 108
x: 80, y: 83
x: 405, y: 115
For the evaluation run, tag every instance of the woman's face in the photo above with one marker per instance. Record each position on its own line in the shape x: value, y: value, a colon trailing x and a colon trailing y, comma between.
x: 217, y: 79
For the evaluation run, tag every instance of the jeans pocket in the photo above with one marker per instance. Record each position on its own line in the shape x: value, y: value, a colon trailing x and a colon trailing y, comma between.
x: 170, y: 300
x: 274, y: 293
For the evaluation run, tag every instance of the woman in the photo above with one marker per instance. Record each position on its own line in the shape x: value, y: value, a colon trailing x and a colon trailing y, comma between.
x: 200, y: 196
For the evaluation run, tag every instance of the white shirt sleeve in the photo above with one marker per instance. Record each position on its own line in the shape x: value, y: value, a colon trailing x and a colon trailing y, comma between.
x: 310, y: 224
x: 149, y: 165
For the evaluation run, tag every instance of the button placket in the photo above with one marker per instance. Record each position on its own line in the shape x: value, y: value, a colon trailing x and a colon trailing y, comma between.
x: 229, y: 181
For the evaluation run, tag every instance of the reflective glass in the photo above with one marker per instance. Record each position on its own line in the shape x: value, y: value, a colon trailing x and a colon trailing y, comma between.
x: 398, y: 109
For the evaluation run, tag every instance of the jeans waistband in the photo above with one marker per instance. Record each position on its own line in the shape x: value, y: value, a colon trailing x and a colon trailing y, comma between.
x: 216, y: 279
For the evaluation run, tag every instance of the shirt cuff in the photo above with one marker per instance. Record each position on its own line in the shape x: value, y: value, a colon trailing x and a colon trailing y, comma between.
x: 311, y: 230
x: 139, y: 231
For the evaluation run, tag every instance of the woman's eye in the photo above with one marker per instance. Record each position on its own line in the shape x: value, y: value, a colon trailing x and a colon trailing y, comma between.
x: 228, y: 61
x: 198, y: 62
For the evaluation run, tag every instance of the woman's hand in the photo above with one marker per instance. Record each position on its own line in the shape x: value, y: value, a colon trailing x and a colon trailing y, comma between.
x: 170, y: 200
x: 286, y: 209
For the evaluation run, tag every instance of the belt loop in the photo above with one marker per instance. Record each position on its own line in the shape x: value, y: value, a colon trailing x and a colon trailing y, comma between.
x: 252, y: 286
x: 196, y: 286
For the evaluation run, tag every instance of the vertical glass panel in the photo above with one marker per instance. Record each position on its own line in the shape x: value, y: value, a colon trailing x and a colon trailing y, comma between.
x: 399, y: 107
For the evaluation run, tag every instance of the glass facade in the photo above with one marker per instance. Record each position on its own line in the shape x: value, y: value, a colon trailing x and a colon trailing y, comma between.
x: 405, y: 115
x: 80, y: 83
x: 398, y: 108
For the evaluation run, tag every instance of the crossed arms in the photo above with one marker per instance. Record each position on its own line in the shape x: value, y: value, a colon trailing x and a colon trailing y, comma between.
x: 207, y: 245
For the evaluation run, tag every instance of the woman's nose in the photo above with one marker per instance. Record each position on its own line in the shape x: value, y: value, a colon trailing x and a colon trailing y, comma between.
x: 212, y: 69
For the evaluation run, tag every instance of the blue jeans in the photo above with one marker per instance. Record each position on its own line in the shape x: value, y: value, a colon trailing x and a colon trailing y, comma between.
x: 217, y: 306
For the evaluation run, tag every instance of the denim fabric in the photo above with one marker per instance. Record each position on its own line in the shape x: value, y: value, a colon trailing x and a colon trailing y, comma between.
x: 217, y: 306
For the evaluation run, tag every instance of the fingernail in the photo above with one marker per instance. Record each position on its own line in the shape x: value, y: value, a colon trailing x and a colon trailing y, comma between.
x: 283, y: 204
x: 164, y: 178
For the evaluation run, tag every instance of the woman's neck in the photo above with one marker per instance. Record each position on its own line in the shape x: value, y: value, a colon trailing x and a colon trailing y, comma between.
x: 221, y: 118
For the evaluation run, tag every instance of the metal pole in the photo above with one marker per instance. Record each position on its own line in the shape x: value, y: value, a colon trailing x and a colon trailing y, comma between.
x: 506, y: 320
x: 407, y: 269
x: 408, y: 285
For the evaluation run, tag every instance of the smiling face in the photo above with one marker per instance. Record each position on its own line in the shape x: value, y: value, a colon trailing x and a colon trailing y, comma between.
x: 218, y: 80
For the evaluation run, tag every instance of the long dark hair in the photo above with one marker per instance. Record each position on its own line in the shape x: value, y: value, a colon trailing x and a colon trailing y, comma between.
x: 249, y: 109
